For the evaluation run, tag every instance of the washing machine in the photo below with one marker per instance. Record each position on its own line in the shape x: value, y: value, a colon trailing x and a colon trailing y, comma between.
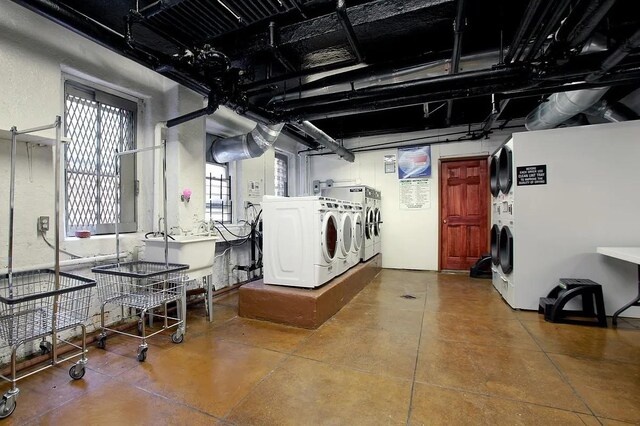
x: 563, y: 193
x: 377, y: 223
x: 366, y: 196
x: 300, y: 240
x: 358, y: 234
x: 345, y: 236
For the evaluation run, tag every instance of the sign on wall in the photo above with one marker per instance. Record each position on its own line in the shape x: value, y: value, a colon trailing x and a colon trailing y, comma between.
x: 415, y: 194
x: 532, y: 175
x: 390, y: 163
x: 414, y: 162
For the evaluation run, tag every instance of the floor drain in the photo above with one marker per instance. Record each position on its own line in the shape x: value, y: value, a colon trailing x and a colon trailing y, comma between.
x: 407, y: 296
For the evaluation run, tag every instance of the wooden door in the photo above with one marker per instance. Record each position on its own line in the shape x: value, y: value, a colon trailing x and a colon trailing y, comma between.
x: 464, y: 212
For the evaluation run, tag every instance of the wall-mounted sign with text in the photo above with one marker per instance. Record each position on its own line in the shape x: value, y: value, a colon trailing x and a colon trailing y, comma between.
x: 532, y: 175
x: 415, y: 194
x: 414, y: 162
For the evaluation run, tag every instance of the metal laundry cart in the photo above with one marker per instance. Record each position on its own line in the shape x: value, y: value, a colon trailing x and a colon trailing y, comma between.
x: 143, y: 286
x: 35, y: 304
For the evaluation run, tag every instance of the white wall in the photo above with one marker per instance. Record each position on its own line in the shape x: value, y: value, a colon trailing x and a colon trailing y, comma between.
x: 36, y: 55
x: 409, y: 237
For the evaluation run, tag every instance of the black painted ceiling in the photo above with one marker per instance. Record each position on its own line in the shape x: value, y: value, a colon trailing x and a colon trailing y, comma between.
x: 276, y: 49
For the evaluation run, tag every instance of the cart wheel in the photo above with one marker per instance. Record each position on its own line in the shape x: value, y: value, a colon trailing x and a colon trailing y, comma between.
x: 45, y: 347
x: 102, y: 342
x: 7, y: 407
x: 177, y: 337
x: 142, y: 354
x: 77, y: 371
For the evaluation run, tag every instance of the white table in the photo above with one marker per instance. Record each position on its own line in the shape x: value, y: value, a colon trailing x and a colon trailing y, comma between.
x: 629, y: 254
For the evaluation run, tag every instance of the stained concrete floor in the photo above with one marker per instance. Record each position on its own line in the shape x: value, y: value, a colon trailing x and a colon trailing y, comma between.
x: 452, y: 354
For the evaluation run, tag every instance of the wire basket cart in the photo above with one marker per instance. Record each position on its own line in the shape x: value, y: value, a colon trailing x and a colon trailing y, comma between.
x: 143, y: 286
x: 36, y: 304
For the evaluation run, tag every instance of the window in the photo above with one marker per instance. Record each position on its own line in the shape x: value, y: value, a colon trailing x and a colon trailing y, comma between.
x: 98, y: 124
x: 281, y: 175
x: 217, y: 193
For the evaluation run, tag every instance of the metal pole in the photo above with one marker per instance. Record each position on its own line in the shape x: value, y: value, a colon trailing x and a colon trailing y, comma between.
x: 164, y: 199
x: 117, y: 207
x: 56, y: 216
x: 12, y: 191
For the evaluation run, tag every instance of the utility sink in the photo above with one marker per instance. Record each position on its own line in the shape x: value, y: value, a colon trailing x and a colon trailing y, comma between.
x: 196, y: 251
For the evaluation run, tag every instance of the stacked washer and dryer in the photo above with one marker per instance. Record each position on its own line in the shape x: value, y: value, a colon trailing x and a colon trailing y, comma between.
x: 371, y: 201
x: 307, y: 241
x: 567, y: 191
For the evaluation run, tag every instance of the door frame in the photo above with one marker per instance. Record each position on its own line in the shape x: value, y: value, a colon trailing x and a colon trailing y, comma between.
x: 486, y: 157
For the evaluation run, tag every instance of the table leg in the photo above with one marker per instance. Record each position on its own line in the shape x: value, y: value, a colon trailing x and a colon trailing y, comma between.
x: 634, y: 302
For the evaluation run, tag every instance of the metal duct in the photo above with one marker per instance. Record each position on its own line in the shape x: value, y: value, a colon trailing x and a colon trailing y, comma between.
x: 613, y: 112
x: 559, y: 107
x: 250, y: 145
x: 325, y: 140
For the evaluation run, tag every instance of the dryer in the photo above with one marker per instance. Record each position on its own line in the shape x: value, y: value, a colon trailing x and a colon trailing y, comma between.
x: 501, y: 186
x: 300, y: 240
x: 564, y: 192
x: 345, y: 236
x: 377, y: 223
x: 366, y: 196
x: 358, y: 234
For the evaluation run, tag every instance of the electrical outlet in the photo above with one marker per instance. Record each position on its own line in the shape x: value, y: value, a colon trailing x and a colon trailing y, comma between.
x: 43, y: 223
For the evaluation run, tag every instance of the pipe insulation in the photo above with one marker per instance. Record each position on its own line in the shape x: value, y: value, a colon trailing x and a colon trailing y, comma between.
x: 325, y: 140
x: 559, y: 107
x: 249, y: 145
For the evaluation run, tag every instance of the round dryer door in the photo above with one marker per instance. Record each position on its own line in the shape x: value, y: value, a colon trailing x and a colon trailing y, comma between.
x: 506, y: 250
x: 357, y: 231
x: 505, y: 170
x: 495, y: 241
x: 368, y: 227
x: 346, y: 233
x: 378, y: 222
x: 329, y: 236
x: 493, y: 177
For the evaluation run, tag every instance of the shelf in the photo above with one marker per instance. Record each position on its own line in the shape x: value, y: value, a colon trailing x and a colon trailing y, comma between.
x: 32, y: 138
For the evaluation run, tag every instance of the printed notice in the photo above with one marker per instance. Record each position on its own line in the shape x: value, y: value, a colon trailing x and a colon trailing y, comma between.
x: 254, y: 188
x: 532, y: 175
x: 415, y: 194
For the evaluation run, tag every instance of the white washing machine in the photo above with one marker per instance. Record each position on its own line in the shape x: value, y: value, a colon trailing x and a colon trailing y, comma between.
x: 300, y: 240
x: 377, y: 224
x: 358, y: 234
x: 364, y: 195
x: 345, y: 236
x: 572, y: 190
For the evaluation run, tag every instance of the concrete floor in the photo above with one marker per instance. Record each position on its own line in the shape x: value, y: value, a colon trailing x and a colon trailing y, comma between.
x: 453, y: 354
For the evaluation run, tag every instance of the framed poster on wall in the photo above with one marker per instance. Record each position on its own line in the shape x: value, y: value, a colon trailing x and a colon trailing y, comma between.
x: 414, y: 162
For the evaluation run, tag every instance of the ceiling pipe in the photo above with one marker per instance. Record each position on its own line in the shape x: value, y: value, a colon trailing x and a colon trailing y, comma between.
x: 559, y: 107
x: 525, y: 23
x: 549, y: 27
x: 613, y: 112
x: 616, y: 57
x: 325, y: 140
x: 595, y: 13
x: 250, y: 145
x: 458, y: 30
x: 343, y: 18
x: 277, y: 53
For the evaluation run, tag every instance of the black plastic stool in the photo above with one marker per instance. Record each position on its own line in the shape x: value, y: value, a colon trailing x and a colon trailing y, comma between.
x: 553, y: 305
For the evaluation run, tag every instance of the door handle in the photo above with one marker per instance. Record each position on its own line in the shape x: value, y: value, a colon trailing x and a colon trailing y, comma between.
x: 444, y: 221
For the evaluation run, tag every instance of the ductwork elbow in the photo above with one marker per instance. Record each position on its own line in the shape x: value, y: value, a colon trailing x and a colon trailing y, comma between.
x: 559, y: 107
x: 250, y: 145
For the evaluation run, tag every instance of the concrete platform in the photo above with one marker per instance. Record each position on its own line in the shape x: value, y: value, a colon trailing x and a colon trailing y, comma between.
x: 305, y: 308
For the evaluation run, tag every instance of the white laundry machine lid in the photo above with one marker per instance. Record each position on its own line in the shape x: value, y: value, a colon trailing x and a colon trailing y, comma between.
x: 329, y: 240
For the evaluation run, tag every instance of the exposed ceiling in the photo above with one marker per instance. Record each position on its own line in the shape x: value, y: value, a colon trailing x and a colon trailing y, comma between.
x: 357, y: 67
